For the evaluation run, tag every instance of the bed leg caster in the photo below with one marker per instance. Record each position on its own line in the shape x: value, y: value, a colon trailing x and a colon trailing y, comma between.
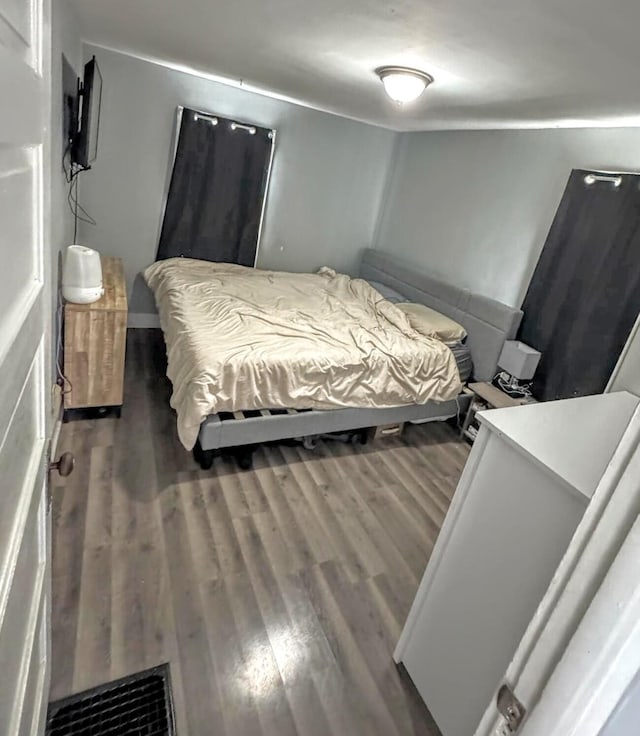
x: 244, y: 457
x: 310, y: 442
x: 206, y: 461
x: 361, y: 437
x: 204, y: 458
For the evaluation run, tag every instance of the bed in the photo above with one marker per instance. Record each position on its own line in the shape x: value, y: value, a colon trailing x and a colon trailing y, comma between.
x: 334, y: 391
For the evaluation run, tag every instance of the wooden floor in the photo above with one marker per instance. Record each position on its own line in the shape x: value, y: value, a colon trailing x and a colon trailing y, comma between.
x: 276, y: 594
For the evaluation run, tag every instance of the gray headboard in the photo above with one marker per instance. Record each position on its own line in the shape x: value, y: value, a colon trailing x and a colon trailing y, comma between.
x: 488, y: 323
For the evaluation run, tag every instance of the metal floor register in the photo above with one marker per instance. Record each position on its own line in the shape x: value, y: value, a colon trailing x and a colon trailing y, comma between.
x: 137, y: 705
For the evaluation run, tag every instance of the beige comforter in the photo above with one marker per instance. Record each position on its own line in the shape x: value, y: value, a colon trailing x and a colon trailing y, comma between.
x: 240, y: 338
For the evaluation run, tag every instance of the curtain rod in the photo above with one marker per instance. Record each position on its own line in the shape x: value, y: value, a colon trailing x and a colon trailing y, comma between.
x: 251, y: 129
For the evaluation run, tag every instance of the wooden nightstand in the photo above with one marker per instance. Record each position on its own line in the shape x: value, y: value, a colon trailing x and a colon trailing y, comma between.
x: 484, y: 396
x: 94, y: 345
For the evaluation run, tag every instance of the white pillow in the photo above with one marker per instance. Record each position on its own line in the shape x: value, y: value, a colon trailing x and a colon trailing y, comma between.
x: 428, y: 322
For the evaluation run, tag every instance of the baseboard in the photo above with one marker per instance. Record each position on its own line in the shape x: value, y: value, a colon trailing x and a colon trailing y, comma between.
x: 144, y: 321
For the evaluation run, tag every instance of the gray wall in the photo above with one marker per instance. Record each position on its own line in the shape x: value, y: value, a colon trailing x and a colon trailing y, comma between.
x: 476, y: 206
x: 626, y: 375
x: 327, y: 181
x: 65, y: 39
x: 626, y: 717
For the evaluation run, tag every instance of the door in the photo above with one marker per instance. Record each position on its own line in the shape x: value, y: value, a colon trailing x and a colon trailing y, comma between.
x: 580, y: 654
x: 24, y: 360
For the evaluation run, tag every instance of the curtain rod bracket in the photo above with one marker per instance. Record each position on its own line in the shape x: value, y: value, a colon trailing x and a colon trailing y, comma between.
x: 199, y: 116
x: 593, y: 178
x: 239, y: 126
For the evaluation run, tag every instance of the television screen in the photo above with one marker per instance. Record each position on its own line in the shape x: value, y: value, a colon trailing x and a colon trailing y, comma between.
x: 86, y: 147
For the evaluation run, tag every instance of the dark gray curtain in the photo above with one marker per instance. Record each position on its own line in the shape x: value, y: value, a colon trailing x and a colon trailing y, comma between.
x: 584, y: 296
x: 217, y: 190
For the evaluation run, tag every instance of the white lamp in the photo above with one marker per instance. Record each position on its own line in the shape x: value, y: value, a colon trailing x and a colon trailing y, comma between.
x: 519, y: 360
x: 403, y: 84
x: 82, y: 275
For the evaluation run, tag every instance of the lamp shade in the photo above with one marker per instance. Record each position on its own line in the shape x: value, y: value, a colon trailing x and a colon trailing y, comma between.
x: 519, y: 360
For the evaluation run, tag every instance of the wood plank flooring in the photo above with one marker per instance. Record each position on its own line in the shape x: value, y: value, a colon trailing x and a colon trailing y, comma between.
x: 276, y: 594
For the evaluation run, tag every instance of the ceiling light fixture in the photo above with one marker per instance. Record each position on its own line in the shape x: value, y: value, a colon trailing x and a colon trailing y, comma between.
x: 403, y: 84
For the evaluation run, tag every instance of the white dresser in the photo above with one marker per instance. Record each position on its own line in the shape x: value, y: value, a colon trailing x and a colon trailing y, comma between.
x: 526, y: 484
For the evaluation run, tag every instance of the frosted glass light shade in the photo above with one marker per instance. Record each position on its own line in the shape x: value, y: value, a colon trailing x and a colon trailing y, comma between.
x: 82, y: 275
x: 403, y: 84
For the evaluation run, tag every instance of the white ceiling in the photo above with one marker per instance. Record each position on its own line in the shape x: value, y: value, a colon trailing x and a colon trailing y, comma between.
x: 496, y: 63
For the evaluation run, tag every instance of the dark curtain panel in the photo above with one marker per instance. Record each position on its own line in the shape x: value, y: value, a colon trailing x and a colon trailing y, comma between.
x: 584, y: 296
x: 217, y: 190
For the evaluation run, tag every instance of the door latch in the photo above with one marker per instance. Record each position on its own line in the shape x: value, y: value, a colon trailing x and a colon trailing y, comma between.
x: 511, y: 709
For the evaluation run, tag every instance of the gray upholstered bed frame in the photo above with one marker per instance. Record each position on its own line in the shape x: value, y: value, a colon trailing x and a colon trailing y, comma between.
x: 488, y: 324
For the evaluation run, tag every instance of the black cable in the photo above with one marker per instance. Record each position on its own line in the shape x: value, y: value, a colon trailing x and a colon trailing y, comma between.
x: 87, y: 217
x: 75, y: 206
x: 71, y: 177
x: 521, y: 390
x: 75, y: 215
x: 67, y: 174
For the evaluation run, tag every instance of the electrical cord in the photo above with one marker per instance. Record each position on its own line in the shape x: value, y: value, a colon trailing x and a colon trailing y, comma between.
x: 75, y: 206
x: 71, y: 174
x: 458, y: 413
x: 67, y: 173
x: 59, y: 368
x: 522, y: 390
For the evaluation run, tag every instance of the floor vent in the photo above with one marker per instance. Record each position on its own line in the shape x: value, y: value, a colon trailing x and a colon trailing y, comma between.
x: 137, y: 705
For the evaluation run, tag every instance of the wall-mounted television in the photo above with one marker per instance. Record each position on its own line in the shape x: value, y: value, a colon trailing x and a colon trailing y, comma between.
x: 84, y: 146
x: 69, y: 105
